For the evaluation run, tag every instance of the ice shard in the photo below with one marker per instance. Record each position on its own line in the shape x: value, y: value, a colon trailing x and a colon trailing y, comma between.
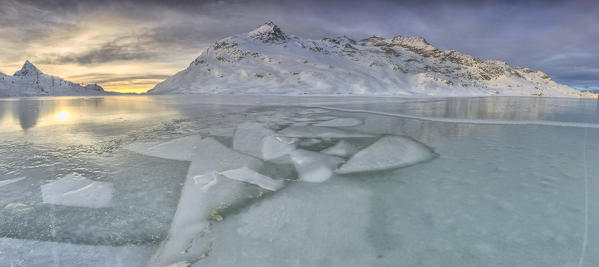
x: 386, y: 153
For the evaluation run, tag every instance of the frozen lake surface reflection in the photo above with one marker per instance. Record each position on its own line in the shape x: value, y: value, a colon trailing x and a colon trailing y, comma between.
x: 298, y: 181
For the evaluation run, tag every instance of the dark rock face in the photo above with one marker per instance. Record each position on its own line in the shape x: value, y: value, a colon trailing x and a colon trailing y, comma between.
x: 269, y: 33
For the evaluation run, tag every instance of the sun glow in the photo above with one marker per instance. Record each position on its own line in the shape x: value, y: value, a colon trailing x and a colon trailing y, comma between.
x: 63, y: 115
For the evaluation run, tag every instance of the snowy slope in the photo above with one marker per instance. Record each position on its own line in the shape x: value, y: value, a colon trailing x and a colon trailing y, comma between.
x: 30, y: 81
x: 268, y: 61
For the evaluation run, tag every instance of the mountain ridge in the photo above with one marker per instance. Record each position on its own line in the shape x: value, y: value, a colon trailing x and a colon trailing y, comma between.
x: 30, y: 81
x: 267, y: 60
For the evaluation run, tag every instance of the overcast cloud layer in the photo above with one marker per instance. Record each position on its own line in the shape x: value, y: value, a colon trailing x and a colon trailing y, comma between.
x: 135, y: 44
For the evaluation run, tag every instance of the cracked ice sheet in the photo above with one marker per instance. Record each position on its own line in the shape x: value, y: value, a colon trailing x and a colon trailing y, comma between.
x: 203, y: 191
x: 256, y: 140
x: 176, y: 149
x: 386, y: 153
x: 304, y: 225
x: 249, y: 138
x: 77, y: 191
x: 20, y: 252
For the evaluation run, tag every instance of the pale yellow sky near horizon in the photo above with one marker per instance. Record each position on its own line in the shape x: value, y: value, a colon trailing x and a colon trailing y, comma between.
x: 122, y: 76
x: 117, y: 52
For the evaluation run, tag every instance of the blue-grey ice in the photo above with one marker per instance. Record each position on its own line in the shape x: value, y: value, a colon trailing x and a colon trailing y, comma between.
x: 10, y: 181
x: 340, y: 122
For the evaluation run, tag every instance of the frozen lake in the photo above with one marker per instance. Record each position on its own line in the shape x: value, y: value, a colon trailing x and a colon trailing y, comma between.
x: 298, y: 181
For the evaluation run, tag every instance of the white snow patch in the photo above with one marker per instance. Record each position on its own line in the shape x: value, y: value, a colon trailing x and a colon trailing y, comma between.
x: 386, y: 153
x: 77, y: 191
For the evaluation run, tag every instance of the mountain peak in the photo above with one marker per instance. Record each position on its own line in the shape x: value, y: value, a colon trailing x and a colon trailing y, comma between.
x: 28, y: 69
x: 412, y: 41
x: 268, y: 33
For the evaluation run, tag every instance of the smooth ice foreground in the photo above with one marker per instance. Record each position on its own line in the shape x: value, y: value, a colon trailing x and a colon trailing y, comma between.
x: 16, y: 252
x: 10, y: 181
x: 337, y: 182
x: 77, y: 191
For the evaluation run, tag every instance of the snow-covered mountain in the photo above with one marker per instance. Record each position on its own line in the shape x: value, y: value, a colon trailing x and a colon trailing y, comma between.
x: 268, y: 61
x: 30, y: 81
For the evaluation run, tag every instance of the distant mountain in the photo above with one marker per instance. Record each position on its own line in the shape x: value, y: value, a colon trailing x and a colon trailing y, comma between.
x: 30, y: 81
x: 269, y: 61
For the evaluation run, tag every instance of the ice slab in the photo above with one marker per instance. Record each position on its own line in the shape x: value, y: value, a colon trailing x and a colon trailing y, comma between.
x: 250, y: 176
x: 256, y: 140
x: 314, y: 167
x: 77, y: 191
x: 204, y: 192
x: 340, y: 122
x: 19, y: 252
x: 318, y: 132
x: 214, y: 156
x: 249, y: 138
x: 386, y: 153
x: 341, y: 149
x: 10, y: 181
x: 177, y: 149
x: 275, y: 147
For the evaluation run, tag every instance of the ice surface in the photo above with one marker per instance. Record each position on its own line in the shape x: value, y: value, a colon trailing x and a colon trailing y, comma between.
x: 318, y: 132
x: 249, y: 138
x: 176, y: 149
x: 256, y: 140
x: 314, y: 167
x: 214, y: 156
x: 341, y: 149
x: 275, y: 146
x: 517, y: 195
x: 305, y: 225
x: 386, y: 153
x: 10, y: 181
x: 78, y: 191
x: 250, y: 176
x: 19, y: 252
x: 204, y: 191
x: 340, y: 122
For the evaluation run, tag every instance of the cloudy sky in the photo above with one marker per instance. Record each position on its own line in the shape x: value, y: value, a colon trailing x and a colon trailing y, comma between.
x: 132, y: 45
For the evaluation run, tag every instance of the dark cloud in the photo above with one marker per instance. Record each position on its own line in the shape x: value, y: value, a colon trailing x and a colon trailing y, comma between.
x: 109, y: 52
